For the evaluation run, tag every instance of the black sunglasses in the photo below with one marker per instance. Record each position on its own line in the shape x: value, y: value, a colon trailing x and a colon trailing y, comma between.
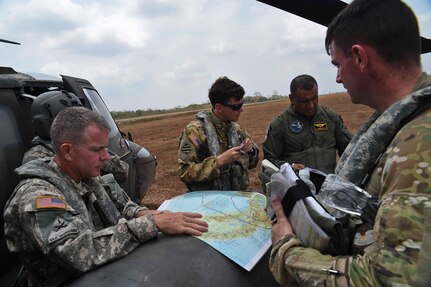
x: 235, y: 107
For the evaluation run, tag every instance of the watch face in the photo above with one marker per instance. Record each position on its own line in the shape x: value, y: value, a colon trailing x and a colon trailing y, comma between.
x: 296, y: 126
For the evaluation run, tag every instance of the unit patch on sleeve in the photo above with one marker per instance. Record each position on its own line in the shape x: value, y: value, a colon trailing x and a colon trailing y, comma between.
x: 61, y: 229
x: 320, y: 126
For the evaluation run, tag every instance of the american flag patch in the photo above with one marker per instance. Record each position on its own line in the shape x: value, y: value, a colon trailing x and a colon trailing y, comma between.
x: 49, y: 202
x: 195, y: 141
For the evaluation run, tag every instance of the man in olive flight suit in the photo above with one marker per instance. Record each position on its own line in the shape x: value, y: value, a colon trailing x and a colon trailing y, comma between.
x: 60, y: 218
x: 376, y: 48
x: 306, y: 134
x: 215, y: 153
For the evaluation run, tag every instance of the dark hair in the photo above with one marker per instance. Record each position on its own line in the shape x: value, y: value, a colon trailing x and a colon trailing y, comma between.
x: 70, y: 125
x: 304, y: 82
x: 389, y: 26
x: 223, y: 89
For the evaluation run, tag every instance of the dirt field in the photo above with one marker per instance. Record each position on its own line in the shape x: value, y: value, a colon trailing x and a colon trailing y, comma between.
x: 161, y: 137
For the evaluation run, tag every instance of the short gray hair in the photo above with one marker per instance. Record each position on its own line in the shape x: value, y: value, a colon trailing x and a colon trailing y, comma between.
x: 71, y: 123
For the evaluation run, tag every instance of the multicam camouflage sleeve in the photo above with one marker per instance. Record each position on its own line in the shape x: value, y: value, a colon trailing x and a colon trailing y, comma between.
x: 400, y: 256
x: 195, y: 164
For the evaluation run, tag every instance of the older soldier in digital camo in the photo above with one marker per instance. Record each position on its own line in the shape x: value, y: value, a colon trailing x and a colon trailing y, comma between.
x: 215, y: 153
x: 43, y: 111
x: 375, y: 46
x: 60, y: 219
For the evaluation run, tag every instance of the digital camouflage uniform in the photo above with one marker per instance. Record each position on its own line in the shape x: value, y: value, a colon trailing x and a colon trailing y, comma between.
x: 61, y: 228
x: 401, y: 252
x: 200, y: 143
x: 43, y: 148
x: 312, y: 142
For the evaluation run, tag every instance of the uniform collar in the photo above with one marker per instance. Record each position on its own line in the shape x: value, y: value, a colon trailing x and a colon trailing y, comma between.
x: 218, y: 123
x: 292, y: 112
x: 55, y: 167
x: 424, y: 81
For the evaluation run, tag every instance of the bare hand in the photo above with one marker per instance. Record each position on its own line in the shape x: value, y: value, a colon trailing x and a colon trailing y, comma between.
x: 281, y: 226
x: 229, y: 156
x: 247, y: 145
x: 181, y: 222
x: 297, y: 166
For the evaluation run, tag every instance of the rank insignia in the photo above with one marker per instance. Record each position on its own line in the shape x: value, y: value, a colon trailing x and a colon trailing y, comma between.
x: 296, y: 126
x: 320, y: 126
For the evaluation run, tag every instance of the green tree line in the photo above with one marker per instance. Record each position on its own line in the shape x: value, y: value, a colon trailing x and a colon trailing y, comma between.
x: 256, y: 98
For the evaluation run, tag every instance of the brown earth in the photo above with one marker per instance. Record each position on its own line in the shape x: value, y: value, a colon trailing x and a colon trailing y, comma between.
x: 161, y: 136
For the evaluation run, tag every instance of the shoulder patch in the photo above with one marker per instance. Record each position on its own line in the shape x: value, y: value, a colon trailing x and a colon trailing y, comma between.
x: 43, y: 202
x: 61, y: 228
x: 195, y: 141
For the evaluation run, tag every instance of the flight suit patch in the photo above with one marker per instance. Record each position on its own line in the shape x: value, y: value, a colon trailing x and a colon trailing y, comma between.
x: 320, y: 126
x: 296, y: 126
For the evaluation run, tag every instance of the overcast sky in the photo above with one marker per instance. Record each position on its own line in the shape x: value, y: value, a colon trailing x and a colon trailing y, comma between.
x: 142, y: 54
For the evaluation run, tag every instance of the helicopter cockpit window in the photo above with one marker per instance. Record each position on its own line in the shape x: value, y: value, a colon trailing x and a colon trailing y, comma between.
x: 98, y: 105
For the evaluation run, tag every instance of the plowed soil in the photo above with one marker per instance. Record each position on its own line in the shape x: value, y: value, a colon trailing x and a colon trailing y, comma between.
x: 161, y: 136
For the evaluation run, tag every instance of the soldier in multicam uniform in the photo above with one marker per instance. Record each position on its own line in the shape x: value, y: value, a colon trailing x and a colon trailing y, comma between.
x: 60, y: 219
x: 215, y: 153
x: 306, y: 134
x: 375, y: 46
x: 43, y: 111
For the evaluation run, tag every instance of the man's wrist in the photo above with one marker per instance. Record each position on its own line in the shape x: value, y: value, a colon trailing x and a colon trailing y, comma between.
x: 286, y: 238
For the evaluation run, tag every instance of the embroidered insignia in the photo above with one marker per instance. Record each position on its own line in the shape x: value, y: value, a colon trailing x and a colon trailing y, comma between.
x: 296, y: 126
x: 61, y: 229
x: 320, y: 126
x: 186, y: 148
x: 49, y: 202
x: 59, y: 224
x: 195, y: 141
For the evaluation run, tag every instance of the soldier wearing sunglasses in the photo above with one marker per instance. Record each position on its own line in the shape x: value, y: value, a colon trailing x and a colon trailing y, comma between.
x: 215, y: 153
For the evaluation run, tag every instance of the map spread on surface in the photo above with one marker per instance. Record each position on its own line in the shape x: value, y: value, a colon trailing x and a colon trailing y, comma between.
x: 238, y: 225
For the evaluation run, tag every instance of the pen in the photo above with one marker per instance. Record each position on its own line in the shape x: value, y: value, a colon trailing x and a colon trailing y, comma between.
x: 332, y: 271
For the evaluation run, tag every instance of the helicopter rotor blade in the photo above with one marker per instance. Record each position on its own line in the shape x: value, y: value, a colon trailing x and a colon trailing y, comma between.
x: 322, y: 12
x: 9, y: 42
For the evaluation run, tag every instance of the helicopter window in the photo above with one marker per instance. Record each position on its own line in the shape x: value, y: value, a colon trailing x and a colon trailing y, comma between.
x: 98, y: 105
